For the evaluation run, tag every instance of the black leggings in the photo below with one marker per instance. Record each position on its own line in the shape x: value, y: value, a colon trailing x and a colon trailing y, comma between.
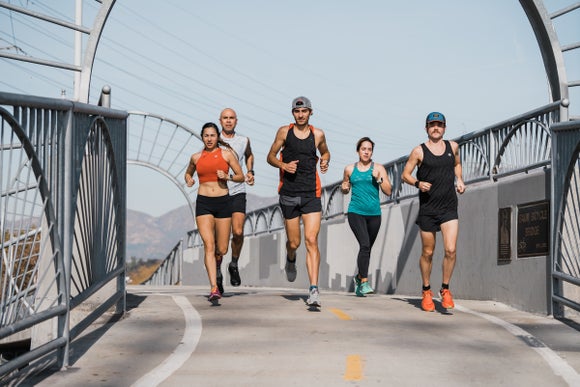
x: 365, y: 229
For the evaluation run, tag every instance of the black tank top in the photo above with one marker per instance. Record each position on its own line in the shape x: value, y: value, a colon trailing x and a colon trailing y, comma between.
x: 305, y: 182
x: 440, y: 172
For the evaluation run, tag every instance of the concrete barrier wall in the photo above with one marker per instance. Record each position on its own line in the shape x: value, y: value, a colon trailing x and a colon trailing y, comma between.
x: 394, y: 266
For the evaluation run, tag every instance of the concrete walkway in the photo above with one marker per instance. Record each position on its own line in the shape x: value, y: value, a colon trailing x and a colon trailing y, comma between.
x: 172, y: 336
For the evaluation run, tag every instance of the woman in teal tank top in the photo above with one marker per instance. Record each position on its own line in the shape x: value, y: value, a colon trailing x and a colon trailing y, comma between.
x: 364, y: 178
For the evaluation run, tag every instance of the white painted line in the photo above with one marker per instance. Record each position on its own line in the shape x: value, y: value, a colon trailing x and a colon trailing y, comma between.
x: 558, y: 365
x: 182, y: 352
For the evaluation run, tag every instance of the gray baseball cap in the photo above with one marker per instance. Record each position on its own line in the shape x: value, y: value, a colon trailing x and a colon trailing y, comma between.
x: 301, y: 102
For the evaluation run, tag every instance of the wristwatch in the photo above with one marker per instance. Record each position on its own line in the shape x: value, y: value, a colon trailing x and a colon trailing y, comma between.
x: 231, y: 177
x: 417, y: 184
x: 251, y: 171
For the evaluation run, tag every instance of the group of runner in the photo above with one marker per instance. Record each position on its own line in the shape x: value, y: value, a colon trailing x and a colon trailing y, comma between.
x: 299, y: 151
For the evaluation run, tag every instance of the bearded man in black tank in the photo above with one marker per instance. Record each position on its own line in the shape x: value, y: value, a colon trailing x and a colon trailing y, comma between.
x: 297, y: 145
x: 439, y: 176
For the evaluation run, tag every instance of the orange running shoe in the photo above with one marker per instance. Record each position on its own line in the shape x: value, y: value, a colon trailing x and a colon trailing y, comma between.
x: 427, y: 303
x: 446, y: 299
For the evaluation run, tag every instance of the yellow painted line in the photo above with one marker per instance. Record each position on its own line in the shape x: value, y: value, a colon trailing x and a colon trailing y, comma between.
x: 340, y: 314
x: 354, y: 368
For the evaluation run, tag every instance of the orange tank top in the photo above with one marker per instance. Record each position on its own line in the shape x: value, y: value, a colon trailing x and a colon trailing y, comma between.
x: 209, y: 163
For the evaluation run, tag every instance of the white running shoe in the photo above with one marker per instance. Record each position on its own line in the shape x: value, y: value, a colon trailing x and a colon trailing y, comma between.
x: 314, y: 298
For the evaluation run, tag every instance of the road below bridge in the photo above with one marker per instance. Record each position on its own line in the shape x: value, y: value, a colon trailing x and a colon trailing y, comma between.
x: 172, y: 336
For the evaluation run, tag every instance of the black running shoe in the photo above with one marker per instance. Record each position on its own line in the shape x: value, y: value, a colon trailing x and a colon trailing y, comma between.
x: 290, y: 269
x: 235, y: 279
x: 220, y: 280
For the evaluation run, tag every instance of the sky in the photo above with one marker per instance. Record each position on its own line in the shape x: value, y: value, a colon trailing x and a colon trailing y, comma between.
x: 371, y: 68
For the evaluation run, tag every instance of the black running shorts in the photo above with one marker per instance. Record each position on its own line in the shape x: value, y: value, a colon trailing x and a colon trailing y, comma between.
x: 294, y: 206
x: 218, y: 206
x: 432, y: 223
x: 238, y: 202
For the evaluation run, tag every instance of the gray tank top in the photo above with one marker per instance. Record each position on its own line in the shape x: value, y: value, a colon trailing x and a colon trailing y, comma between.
x: 238, y: 144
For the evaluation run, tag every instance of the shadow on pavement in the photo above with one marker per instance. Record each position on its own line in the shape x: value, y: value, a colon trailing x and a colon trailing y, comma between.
x: 80, y: 345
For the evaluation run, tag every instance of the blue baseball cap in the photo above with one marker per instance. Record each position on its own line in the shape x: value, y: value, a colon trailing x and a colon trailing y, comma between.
x: 435, y: 117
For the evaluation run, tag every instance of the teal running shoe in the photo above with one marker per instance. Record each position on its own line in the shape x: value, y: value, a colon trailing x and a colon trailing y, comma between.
x: 365, y: 288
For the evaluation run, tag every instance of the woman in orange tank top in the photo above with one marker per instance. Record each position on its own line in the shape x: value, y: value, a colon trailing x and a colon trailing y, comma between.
x: 213, y: 214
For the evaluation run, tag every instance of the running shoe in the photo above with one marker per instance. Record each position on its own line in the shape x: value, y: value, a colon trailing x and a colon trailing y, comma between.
x: 219, y: 277
x: 290, y: 269
x: 446, y: 299
x: 215, y: 294
x: 358, y: 290
x: 235, y: 279
x: 427, y: 303
x: 356, y: 281
x: 366, y: 288
x: 313, y: 298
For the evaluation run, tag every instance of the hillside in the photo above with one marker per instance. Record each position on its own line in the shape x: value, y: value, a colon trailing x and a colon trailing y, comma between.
x: 150, y: 237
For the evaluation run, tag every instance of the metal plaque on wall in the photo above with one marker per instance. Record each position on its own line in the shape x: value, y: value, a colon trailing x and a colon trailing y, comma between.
x: 504, y: 249
x: 534, y: 229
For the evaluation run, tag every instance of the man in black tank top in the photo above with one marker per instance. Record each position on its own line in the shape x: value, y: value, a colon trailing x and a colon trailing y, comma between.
x: 300, y: 188
x: 439, y: 175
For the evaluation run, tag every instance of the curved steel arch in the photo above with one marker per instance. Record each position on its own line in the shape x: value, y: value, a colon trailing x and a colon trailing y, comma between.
x: 538, y: 16
x: 515, y: 130
x: 159, y: 143
x: 85, y: 68
x: 471, y: 148
x: 551, y: 50
x: 91, y: 50
x: 276, y: 215
x: 171, y: 178
x: 160, y: 117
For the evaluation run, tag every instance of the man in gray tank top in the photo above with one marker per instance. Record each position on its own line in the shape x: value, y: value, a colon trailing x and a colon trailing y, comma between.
x: 241, y: 145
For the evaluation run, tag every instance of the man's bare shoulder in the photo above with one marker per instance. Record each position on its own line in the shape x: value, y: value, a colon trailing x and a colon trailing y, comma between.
x: 317, y: 132
x: 417, y: 152
x: 283, y: 131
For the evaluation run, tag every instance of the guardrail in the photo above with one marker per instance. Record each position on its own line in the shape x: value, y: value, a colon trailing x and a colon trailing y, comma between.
x: 564, y: 211
x: 512, y: 146
x: 169, y: 271
x: 62, y: 216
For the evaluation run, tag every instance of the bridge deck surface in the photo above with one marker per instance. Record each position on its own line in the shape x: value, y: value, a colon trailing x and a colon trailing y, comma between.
x: 172, y: 336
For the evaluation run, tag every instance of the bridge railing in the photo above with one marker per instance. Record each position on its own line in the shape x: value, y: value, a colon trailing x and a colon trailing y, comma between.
x: 169, y: 271
x: 62, y: 218
x: 513, y: 146
x: 565, y: 219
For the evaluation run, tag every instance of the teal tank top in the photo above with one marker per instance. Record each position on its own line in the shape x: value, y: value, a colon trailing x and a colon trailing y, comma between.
x: 364, y: 198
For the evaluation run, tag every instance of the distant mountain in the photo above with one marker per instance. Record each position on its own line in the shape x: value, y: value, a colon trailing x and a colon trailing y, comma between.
x: 150, y: 237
